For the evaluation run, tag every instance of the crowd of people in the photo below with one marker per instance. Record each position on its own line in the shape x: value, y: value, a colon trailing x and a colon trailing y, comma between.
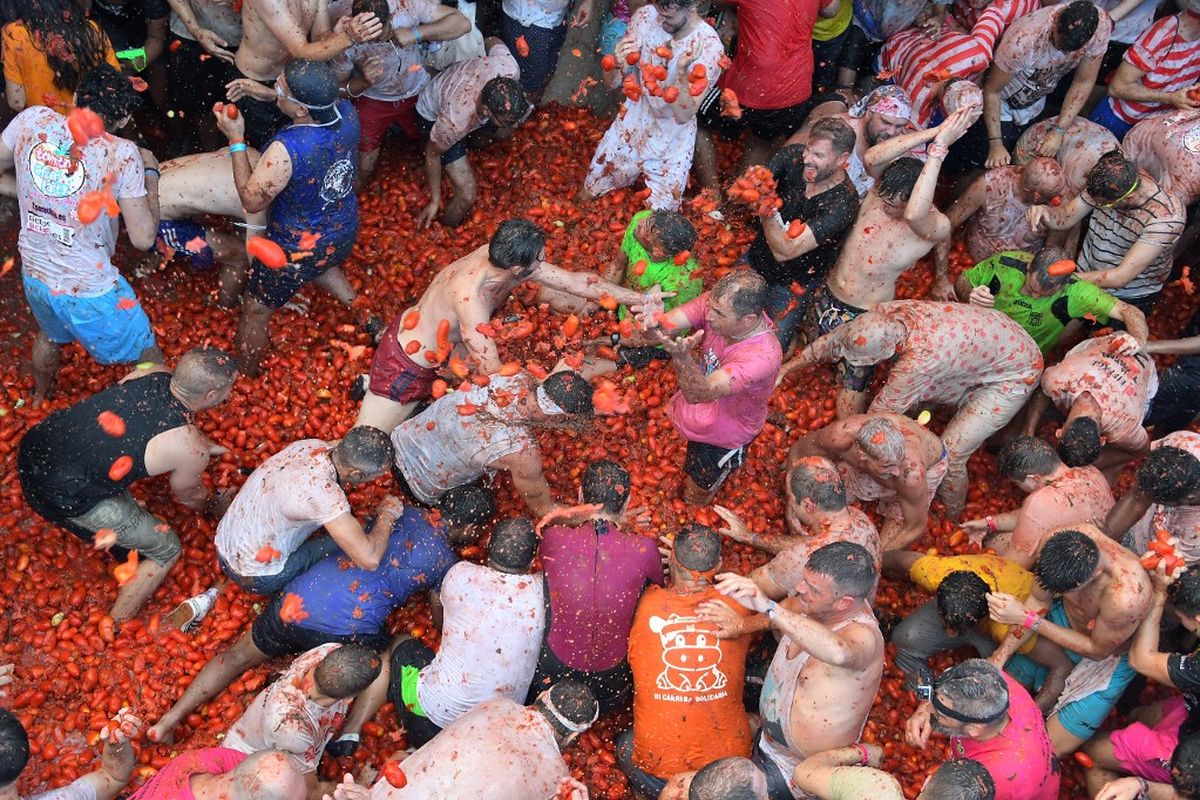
x: 1058, y: 143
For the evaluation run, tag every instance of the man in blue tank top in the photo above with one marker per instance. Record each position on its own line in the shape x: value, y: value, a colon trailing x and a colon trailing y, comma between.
x: 305, y: 182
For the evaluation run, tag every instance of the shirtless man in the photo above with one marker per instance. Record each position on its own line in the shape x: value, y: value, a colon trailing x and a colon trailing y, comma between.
x: 1168, y: 148
x: 896, y: 225
x: 1093, y: 593
x: 464, y: 295
x: 1104, y: 386
x: 886, y: 457
x: 275, y: 32
x: 881, y: 115
x: 1056, y: 495
x: 941, y: 357
x: 1166, y: 494
x: 198, y: 185
x: 816, y: 515
x: 1082, y: 145
x: 826, y: 671
x: 994, y: 210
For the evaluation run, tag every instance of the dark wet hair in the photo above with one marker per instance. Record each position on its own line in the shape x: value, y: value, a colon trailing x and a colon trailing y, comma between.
x: 607, y: 483
x: 850, y: 565
x: 1075, y: 24
x: 729, y: 778
x: 835, y: 131
x: 673, y: 231
x: 1080, y: 443
x: 1040, y: 266
x: 1023, y: 456
x: 697, y: 547
x: 107, y: 92
x: 14, y: 747
x: 314, y: 85
x: 71, y: 44
x: 575, y: 701
x: 974, y: 688
x: 513, y: 544
x: 505, y: 99
x: 470, y: 504
x: 1185, y: 592
x: 379, y: 8
x: 347, y: 671
x: 1068, y: 560
x: 1169, y: 474
x: 203, y: 370
x: 1113, y: 174
x: 1185, y: 766
x: 570, y: 391
x: 746, y: 291
x: 961, y: 779
x: 962, y: 600
x: 899, y: 178
x: 367, y: 449
x: 822, y: 485
x: 516, y: 243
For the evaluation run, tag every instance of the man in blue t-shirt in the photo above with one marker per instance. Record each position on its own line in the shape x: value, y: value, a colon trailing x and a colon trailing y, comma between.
x: 336, y: 601
x: 305, y: 182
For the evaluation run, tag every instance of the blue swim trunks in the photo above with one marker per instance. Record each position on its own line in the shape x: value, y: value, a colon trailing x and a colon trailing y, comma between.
x: 112, y: 327
x: 1082, y: 717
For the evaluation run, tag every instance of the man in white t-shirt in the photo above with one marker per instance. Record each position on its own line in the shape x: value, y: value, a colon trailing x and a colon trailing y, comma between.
x: 494, y: 617
x: 384, y: 78
x: 68, y: 194
x: 655, y: 133
x: 500, y: 750
x: 263, y: 541
x: 1037, y: 51
x: 299, y: 712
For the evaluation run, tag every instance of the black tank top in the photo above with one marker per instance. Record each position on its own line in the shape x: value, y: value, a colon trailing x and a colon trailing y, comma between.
x: 65, y: 460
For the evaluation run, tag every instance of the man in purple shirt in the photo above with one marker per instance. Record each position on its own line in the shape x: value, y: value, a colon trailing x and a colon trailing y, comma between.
x: 595, y: 574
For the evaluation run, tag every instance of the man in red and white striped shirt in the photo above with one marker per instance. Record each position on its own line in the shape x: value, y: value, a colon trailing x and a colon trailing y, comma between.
x: 1159, y: 70
x: 922, y: 65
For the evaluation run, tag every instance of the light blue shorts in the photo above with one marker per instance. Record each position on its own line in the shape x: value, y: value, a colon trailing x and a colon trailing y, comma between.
x: 611, y: 32
x: 111, y: 329
x: 1083, y: 717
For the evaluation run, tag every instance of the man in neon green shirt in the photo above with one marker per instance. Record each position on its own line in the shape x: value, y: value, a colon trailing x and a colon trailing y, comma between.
x: 1025, y: 288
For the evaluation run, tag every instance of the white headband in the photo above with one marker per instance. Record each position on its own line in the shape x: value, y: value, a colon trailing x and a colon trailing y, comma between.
x: 544, y: 402
x: 573, y: 727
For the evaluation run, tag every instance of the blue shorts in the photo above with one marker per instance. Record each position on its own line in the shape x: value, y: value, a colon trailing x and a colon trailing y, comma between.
x: 1104, y: 115
x: 174, y: 235
x: 113, y: 327
x: 1083, y: 717
x: 611, y: 31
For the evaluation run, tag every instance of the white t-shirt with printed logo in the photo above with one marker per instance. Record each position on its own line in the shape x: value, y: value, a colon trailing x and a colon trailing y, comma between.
x: 289, y: 496
x: 56, y: 248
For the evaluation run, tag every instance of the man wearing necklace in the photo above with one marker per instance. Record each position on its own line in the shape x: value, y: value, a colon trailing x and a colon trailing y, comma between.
x: 1132, y: 233
x: 721, y: 404
x: 305, y: 182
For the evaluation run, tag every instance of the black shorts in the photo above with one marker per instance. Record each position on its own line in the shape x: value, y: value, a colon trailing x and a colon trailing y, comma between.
x: 829, y: 313
x: 194, y: 84
x: 275, y: 287
x: 859, y: 51
x: 768, y: 124
x: 708, y: 465
x: 413, y: 654
x: 457, y: 150
x: 276, y: 638
x: 640, y: 357
x: 263, y: 117
x: 612, y: 687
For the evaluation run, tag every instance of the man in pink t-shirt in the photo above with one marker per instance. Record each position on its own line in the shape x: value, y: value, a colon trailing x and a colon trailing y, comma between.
x: 990, y: 718
x: 221, y: 773
x: 721, y: 404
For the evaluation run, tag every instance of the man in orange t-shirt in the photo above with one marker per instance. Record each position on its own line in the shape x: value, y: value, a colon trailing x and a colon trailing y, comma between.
x: 687, y: 683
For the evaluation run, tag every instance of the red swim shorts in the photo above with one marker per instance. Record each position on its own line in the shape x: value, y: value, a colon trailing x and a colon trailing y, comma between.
x: 396, y: 376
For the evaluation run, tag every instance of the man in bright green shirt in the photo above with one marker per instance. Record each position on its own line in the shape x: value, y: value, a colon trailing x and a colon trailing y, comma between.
x: 656, y: 238
x: 1023, y: 286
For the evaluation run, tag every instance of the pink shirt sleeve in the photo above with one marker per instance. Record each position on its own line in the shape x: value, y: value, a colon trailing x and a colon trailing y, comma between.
x: 695, y: 310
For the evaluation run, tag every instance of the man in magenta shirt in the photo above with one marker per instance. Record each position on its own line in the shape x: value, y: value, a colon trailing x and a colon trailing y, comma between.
x: 990, y: 718
x: 594, y: 576
x: 725, y: 384
x: 219, y: 773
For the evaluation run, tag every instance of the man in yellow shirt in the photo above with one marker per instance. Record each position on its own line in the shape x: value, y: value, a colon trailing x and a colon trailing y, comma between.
x: 958, y: 614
